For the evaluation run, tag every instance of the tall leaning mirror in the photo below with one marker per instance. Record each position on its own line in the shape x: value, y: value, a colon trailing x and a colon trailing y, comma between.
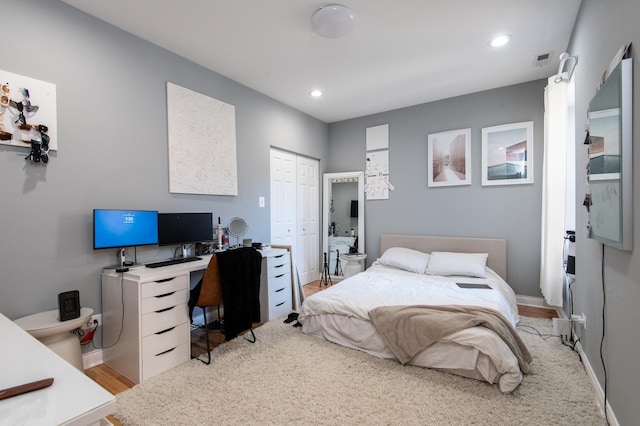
x: 342, y: 217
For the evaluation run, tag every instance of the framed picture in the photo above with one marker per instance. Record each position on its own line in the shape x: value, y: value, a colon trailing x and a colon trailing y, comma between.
x: 449, y: 158
x: 507, y: 154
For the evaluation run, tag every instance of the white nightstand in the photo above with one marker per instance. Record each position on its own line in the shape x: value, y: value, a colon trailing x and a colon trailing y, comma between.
x: 354, y: 263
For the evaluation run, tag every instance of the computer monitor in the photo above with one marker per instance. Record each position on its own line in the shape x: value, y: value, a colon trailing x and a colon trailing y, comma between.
x: 124, y: 228
x: 184, y: 229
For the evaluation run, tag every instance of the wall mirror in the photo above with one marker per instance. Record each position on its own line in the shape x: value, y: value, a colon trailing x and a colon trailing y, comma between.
x: 610, y: 160
x: 342, y: 216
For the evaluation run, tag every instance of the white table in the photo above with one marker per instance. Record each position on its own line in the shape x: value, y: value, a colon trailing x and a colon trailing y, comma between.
x: 72, y: 399
x: 354, y: 263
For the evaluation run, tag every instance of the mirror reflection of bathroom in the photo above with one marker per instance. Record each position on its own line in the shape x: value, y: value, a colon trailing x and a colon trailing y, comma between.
x: 344, y: 231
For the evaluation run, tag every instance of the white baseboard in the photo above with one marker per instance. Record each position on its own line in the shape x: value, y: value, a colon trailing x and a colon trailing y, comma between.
x: 91, y: 359
x: 613, y: 421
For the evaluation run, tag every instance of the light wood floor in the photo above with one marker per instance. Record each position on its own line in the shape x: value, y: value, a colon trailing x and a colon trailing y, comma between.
x: 115, y: 383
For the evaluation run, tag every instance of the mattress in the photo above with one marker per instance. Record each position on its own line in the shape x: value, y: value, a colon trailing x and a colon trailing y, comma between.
x: 340, y: 314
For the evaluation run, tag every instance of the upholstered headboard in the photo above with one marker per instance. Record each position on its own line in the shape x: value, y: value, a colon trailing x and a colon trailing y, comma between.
x: 497, y: 248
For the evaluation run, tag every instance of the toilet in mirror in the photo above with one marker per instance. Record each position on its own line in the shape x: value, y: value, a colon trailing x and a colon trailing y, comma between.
x: 343, y: 221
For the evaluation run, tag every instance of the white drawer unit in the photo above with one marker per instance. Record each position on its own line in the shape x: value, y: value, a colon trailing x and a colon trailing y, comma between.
x: 275, y: 284
x: 146, y: 321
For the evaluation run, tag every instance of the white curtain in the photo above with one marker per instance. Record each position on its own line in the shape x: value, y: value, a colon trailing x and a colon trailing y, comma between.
x: 554, y: 189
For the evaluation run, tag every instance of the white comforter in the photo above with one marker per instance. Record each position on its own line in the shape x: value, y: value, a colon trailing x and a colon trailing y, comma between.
x: 341, y: 314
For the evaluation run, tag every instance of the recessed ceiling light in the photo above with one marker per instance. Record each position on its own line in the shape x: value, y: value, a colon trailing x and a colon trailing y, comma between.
x: 500, y: 40
x: 316, y: 93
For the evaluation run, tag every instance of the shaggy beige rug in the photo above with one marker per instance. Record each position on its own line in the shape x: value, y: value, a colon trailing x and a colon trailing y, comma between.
x: 289, y: 378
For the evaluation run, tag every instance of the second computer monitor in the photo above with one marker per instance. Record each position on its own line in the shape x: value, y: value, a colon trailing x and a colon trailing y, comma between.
x: 184, y: 228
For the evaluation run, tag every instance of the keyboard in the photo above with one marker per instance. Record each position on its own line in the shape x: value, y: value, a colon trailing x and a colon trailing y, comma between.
x: 176, y: 261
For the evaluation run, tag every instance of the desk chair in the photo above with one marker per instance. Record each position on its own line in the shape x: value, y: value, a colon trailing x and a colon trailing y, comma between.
x: 210, y: 295
x: 232, y: 276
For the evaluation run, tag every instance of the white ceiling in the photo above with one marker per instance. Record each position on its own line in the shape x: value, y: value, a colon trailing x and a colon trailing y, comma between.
x: 400, y: 53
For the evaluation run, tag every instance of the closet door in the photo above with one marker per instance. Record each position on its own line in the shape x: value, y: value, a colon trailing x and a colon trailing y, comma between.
x: 283, y: 198
x: 308, y: 222
x: 295, y: 210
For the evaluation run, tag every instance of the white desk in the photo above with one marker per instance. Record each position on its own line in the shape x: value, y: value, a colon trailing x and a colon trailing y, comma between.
x: 153, y: 333
x: 72, y: 399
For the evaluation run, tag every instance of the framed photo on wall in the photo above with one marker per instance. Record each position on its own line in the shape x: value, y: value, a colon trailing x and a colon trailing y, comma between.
x: 449, y: 158
x: 507, y: 154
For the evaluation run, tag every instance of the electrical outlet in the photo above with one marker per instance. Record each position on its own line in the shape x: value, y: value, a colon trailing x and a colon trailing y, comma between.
x: 580, y: 320
x: 95, y: 321
x: 260, y: 201
x: 98, y: 318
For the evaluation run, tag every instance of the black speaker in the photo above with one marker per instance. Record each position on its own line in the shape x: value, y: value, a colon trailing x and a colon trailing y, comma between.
x: 69, y: 305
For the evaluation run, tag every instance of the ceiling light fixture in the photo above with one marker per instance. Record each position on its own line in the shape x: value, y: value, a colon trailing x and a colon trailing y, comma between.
x: 333, y: 21
x: 500, y: 40
x: 315, y: 93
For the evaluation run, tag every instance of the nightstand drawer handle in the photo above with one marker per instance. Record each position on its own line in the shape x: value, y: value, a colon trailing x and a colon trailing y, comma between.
x: 280, y: 304
x: 281, y: 275
x: 166, y: 279
x: 280, y: 289
x: 280, y: 255
x: 164, y: 295
x: 165, y: 310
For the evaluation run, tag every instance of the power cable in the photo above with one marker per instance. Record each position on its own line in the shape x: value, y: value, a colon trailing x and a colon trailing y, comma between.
x: 604, y: 366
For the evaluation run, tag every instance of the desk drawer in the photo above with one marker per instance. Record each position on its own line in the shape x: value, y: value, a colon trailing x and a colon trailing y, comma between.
x: 279, y: 306
x: 280, y: 284
x: 277, y: 265
x: 156, y: 364
x: 164, y: 340
x: 163, y: 301
x: 161, y: 320
x: 168, y: 285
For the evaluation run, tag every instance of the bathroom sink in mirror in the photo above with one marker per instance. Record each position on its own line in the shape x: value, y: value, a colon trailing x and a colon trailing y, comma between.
x: 342, y: 217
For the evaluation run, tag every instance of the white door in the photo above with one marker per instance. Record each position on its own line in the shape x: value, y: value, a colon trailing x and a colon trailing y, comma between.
x: 283, y: 198
x: 308, y: 222
x: 294, y: 210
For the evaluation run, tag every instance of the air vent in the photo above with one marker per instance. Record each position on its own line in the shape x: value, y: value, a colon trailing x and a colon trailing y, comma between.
x: 542, y: 59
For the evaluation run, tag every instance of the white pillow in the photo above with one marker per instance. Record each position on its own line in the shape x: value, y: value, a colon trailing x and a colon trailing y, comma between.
x: 405, y: 258
x: 466, y: 264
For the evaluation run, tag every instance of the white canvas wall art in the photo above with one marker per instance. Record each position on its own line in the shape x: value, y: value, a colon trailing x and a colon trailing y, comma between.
x: 202, y: 143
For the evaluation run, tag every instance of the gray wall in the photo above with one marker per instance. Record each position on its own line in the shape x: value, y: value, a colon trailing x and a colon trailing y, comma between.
x: 511, y: 211
x: 112, y: 139
x: 602, y: 27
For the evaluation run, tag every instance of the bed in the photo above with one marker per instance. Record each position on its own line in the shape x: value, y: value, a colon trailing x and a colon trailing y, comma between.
x: 423, y: 273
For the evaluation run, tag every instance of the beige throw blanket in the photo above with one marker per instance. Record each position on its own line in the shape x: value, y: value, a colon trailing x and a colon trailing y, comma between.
x: 409, y: 329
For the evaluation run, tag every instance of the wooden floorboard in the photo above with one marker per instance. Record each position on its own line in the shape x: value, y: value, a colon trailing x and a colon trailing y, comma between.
x: 115, y: 383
